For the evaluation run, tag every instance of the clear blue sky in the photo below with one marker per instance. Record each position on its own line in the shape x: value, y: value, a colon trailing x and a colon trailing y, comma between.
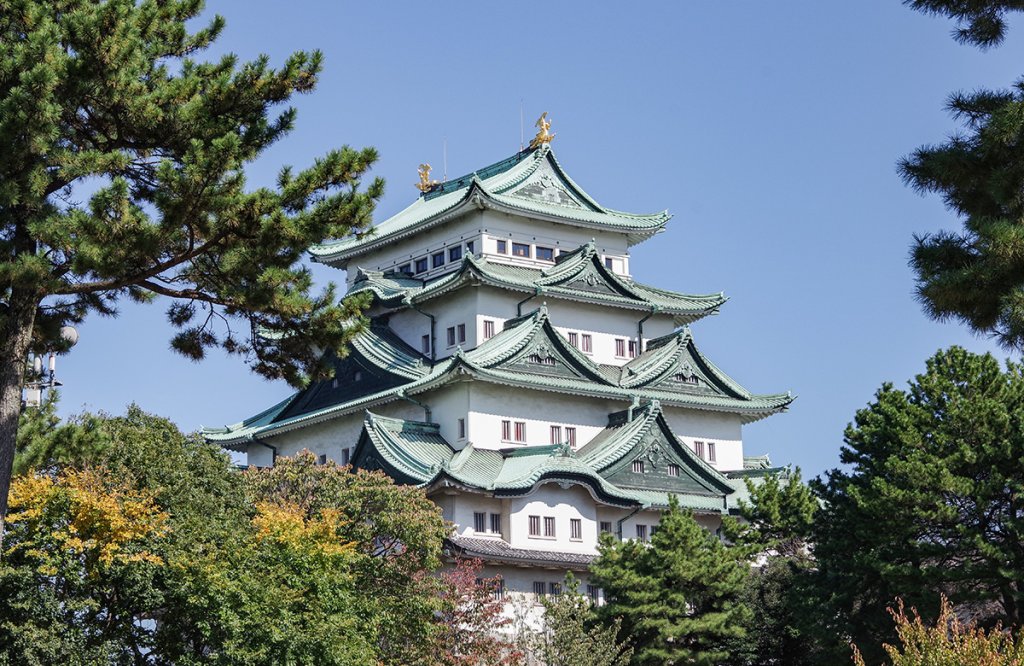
x: 770, y: 131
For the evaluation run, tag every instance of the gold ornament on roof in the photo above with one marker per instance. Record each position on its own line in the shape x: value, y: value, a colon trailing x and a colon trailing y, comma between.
x: 425, y: 184
x: 543, y: 136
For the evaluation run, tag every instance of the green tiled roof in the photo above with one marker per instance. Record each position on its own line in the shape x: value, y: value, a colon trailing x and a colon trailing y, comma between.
x: 578, y: 276
x: 529, y: 353
x: 501, y: 187
x: 413, y: 451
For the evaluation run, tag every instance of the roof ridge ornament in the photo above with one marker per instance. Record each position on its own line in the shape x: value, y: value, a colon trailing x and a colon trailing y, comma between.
x: 543, y: 136
x: 425, y: 184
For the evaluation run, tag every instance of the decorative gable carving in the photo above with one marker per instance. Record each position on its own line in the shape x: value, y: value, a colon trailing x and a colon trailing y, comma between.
x: 545, y: 185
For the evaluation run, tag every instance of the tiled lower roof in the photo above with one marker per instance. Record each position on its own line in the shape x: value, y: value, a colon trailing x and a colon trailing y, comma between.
x: 496, y: 549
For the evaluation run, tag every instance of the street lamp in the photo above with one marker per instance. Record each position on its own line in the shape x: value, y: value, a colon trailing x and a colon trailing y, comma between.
x: 37, y: 378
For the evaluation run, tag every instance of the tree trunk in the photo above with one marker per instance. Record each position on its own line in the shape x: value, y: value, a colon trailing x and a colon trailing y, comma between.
x: 15, y: 337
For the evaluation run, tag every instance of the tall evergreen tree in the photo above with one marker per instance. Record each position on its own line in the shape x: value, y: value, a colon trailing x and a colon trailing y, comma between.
x: 107, y: 94
x: 930, y: 501
x: 974, y: 275
x: 678, y: 598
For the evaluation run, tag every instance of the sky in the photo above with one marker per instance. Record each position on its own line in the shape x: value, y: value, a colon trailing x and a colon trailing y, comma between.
x: 770, y: 131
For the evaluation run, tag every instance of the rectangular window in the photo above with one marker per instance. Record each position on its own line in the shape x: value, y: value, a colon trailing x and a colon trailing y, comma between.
x: 488, y: 329
x: 534, y: 525
x: 454, y: 253
x: 654, y: 530
x: 520, y: 431
x: 698, y: 448
x: 520, y: 250
x: 346, y: 456
x: 451, y: 336
x: 556, y: 434
x: 632, y: 348
x: 321, y: 459
x: 539, y: 588
x: 405, y: 268
x: 498, y: 590
x: 609, y: 263
x: 506, y: 430
x: 549, y: 526
x: 711, y: 452
x: 425, y: 344
x: 479, y: 522
x: 575, y: 529
x: 593, y: 592
x: 638, y: 466
x: 502, y: 247
x: 545, y: 253
x: 606, y: 527
x: 554, y: 589
x: 641, y: 532
x: 496, y: 523
x: 620, y: 347
x: 462, y: 332
x: 437, y: 259
x: 469, y: 247
x: 421, y: 265
x: 462, y: 428
x: 574, y: 339
x: 673, y: 470
x: 588, y: 343
x: 570, y: 436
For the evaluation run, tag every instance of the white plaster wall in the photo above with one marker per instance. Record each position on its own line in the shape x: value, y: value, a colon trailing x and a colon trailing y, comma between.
x: 552, y: 500
x: 447, y: 405
x: 725, y: 430
x: 459, y: 307
x: 461, y: 508
x: 489, y: 404
x: 650, y: 518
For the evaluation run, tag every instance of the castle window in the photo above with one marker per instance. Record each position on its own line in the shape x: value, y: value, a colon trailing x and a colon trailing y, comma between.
x: 488, y: 329
x: 632, y: 348
x: 421, y: 265
x: 554, y: 589
x: 479, y: 522
x: 455, y: 253
x: 534, y: 526
x: 574, y: 339
x: 638, y: 466
x: 502, y: 247
x: 698, y: 448
x: 469, y: 247
x: 556, y: 434
x: 358, y: 376
x: 405, y: 268
x: 321, y: 459
x: 594, y: 592
x: 606, y: 527
x: 542, y: 360
x: 686, y: 379
x: 520, y: 250
x: 609, y: 263
x: 520, y: 431
x: 588, y: 343
x: 539, y: 588
x: 438, y: 259
x: 462, y: 428
x: 498, y: 590
x: 620, y: 347
x: 711, y: 452
x: 496, y: 523
x: 506, y: 430
x: 545, y: 254
x: 451, y: 336
x: 334, y: 383
x: 549, y: 526
x: 346, y: 457
x: 641, y: 533
x: 673, y: 470
x: 570, y: 436
x: 462, y: 332
x: 575, y: 529
x: 425, y: 344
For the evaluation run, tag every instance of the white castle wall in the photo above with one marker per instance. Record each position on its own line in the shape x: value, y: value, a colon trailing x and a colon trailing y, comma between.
x: 551, y: 499
x: 725, y: 430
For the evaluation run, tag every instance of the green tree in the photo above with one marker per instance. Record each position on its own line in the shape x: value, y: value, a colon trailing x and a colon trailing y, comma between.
x: 931, y: 500
x: 571, y: 636
x: 122, y: 175
x: 777, y: 517
x: 678, y: 597
x: 973, y: 275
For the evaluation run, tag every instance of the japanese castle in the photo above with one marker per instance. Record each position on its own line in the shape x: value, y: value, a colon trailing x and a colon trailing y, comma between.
x: 516, y: 372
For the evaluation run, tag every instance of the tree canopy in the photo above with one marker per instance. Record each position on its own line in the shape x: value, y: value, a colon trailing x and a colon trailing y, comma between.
x: 122, y: 175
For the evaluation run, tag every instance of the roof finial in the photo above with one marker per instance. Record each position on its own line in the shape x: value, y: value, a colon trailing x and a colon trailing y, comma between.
x: 425, y: 184
x: 543, y: 136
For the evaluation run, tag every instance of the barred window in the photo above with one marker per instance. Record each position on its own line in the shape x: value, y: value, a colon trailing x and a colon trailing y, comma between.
x: 534, y: 525
x: 479, y: 522
x: 549, y: 526
x: 575, y: 529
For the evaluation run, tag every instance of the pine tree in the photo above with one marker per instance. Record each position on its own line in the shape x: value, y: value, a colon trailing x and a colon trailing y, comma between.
x: 571, y: 637
x: 678, y: 598
x: 930, y: 501
x: 122, y: 175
